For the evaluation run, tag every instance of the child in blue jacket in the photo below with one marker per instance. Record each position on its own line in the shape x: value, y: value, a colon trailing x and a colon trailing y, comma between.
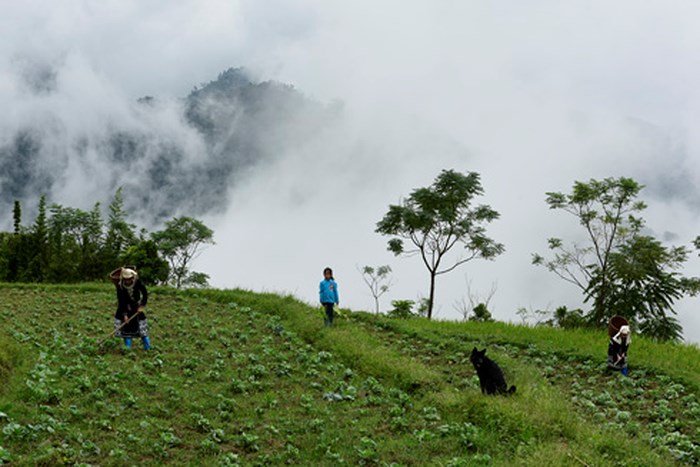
x: 328, y: 292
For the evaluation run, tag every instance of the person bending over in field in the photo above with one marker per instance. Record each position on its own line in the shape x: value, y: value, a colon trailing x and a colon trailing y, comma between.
x: 617, y: 350
x: 132, y: 297
x: 328, y: 292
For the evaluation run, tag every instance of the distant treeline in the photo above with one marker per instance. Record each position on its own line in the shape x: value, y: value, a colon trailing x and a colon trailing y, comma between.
x: 66, y: 244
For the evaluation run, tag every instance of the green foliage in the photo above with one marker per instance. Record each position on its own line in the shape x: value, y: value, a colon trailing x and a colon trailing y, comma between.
x: 696, y: 242
x: 665, y: 328
x: 17, y: 216
x: 481, y: 313
x: 151, y: 267
x: 66, y: 244
x: 642, y: 285
x: 196, y: 279
x: 17, y: 247
x: 120, y: 233
x: 76, y: 239
x: 38, y: 264
x: 619, y: 270
x: 402, y: 309
x: 435, y: 219
x: 180, y: 243
x: 422, y: 307
x: 606, y: 210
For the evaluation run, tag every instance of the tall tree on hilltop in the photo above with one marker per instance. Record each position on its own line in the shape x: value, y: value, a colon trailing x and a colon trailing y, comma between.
x: 17, y: 216
x: 76, y: 241
x: 16, y: 245
x: 643, y: 284
x: 39, y: 239
x: 92, y: 264
x: 120, y: 233
x: 606, y: 209
x: 437, y: 218
x: 620, y: 270
x: 180, y: 243
x: 144, y: 256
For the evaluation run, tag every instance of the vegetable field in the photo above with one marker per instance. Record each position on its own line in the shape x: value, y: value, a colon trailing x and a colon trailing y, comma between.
x: 238, y: 378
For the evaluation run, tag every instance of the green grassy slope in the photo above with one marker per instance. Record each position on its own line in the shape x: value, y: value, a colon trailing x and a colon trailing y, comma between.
x: 238, y: 378
x: 10, y: 358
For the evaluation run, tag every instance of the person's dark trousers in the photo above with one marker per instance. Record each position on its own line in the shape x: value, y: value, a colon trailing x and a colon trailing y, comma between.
x: 329, y: 314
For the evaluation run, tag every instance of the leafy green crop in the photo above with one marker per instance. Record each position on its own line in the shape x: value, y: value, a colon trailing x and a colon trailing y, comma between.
x: 236, y: 378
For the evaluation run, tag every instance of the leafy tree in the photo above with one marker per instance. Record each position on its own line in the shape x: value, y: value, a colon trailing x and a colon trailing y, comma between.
x: 151, y: 267
x: 437, y: 218
x: 17, y: 216
x: 665, y: 329
x: 378, y: 281
x: 62, y: 266
x: 68, y: 244
x: 481, y: 313
x: 619, y: 270
x: 402, y: 309
x: 196, y: 279
x: 20, y: 249
x: 76, y: 240
x: 606, y: 209
x: 643, y: 285
x: 180, y: 243
x: 16, y: 251
x: 39, y: 262
x: 91, y: 243
x: 466, y: 306
x: 422, y: 307
x: 120, y: 233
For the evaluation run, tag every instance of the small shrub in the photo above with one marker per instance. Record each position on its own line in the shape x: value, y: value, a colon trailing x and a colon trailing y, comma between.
x: 402, y: 309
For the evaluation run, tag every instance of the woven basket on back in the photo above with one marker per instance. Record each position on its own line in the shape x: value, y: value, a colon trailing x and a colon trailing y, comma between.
x: 615, y: 323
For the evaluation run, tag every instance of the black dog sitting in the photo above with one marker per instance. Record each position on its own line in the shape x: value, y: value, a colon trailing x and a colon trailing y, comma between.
x: 490, y: 375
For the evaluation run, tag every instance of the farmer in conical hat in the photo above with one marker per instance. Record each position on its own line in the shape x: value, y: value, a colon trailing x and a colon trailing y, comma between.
x: 617, y: 350
x: 132, y: 297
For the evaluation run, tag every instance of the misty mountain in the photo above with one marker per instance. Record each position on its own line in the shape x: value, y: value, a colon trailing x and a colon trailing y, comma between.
x: 170, y: 156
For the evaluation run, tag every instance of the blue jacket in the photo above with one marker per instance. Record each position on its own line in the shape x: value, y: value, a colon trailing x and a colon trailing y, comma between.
x: 328, y: 291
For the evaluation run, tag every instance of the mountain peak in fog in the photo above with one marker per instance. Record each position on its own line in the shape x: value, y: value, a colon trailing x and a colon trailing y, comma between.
x: 170, y: 155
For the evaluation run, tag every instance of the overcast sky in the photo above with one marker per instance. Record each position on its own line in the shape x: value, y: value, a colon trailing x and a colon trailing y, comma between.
x: 532, y: 95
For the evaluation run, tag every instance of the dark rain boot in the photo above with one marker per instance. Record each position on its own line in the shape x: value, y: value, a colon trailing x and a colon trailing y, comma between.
x: 146, y: 343
x: 127, y: 342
